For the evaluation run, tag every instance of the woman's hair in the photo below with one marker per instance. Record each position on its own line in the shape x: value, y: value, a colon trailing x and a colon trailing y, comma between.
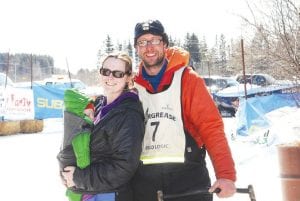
x: 124, y: 57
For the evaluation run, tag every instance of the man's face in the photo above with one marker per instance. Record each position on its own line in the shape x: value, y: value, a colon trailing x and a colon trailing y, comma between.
x: 151, y: 50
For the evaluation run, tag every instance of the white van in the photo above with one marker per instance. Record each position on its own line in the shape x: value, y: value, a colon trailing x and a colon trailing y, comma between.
x: 64, y: 82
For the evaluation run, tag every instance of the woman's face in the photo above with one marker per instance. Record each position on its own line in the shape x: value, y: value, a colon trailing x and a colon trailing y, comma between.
x: 113, y: 77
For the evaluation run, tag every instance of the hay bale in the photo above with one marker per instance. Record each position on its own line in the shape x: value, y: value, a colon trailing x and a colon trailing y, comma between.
x: 9, y: 127
x: 31, y: 126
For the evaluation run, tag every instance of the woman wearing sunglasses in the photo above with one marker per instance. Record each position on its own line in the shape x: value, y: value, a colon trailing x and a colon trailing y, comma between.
x: 116, y: 139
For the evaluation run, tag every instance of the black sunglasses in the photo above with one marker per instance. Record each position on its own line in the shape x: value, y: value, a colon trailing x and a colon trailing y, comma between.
x: 115, y: 73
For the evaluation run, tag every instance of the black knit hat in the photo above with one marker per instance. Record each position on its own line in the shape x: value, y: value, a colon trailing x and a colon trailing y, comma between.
x: 151, y: 26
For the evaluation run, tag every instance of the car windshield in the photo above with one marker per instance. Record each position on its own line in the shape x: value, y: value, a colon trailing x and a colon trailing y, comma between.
x: 208, y: 81
x: 232, y: 82
x: 257, y: 79
x: 220, y: 82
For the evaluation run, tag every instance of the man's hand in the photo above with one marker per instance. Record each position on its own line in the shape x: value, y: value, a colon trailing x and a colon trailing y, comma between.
x: 227, y: 188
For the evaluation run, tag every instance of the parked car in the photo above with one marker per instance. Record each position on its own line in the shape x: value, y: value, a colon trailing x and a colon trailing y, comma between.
x: 215, y: 83
x: 58, y: 82
x: 227, y: 99
x: 262, y: 80
x: 66, y: 83
x: 257, y: 79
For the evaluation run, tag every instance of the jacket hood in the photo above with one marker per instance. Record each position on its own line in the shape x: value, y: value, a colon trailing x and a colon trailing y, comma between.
x: 177, y: 57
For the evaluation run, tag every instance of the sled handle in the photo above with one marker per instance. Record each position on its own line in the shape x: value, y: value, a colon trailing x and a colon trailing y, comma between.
x: 162, y: 197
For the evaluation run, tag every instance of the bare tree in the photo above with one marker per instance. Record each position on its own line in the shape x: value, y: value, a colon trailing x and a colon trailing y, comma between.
x: 277, y: 36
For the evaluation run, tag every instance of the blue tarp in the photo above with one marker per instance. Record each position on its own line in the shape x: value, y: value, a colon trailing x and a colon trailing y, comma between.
x: 251, y: 112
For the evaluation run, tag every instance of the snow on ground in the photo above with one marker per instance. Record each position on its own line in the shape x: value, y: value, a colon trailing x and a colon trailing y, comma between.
x: 256, y: 158
x: 29, y: 170
x: 28, y: 167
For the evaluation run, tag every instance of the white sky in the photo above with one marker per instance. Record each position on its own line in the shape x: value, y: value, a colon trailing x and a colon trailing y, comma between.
x: 75, y: 29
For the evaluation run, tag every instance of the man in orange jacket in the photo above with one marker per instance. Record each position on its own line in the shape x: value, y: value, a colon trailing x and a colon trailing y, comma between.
x: 182, y: 124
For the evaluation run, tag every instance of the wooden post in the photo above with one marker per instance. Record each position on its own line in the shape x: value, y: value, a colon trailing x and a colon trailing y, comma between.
x: 244, y: 69
x: 7, y: 69
x: 31, y: 72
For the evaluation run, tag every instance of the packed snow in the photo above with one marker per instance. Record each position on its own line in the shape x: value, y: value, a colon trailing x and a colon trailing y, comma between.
x: 29, y: 169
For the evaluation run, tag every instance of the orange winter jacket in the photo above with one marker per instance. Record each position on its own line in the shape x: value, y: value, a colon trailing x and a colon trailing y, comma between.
x: 200, y: 115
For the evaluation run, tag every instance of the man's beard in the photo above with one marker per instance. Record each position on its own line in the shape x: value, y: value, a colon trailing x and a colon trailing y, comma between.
x: 157, y: 64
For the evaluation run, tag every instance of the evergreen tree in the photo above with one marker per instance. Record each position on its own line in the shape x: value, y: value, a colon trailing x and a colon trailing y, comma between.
x: 130, y: 49
x: 195, y: 48
x: 109, y: 47
x: 222, y: 54
x: 205, y: 57
x: 192, y: 45
x: 174, y: 42
x: 171, y: 42
x: 119, y: 47
x: 214, y: 53
x: 99, y: 55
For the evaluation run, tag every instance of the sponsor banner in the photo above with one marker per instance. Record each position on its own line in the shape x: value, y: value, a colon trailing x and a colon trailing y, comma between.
x: 2, y: 108
x: 48, y: 102
x: 16, y: 104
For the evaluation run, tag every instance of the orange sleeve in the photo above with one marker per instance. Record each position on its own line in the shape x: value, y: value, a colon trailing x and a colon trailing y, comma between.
x: 203, y: 121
